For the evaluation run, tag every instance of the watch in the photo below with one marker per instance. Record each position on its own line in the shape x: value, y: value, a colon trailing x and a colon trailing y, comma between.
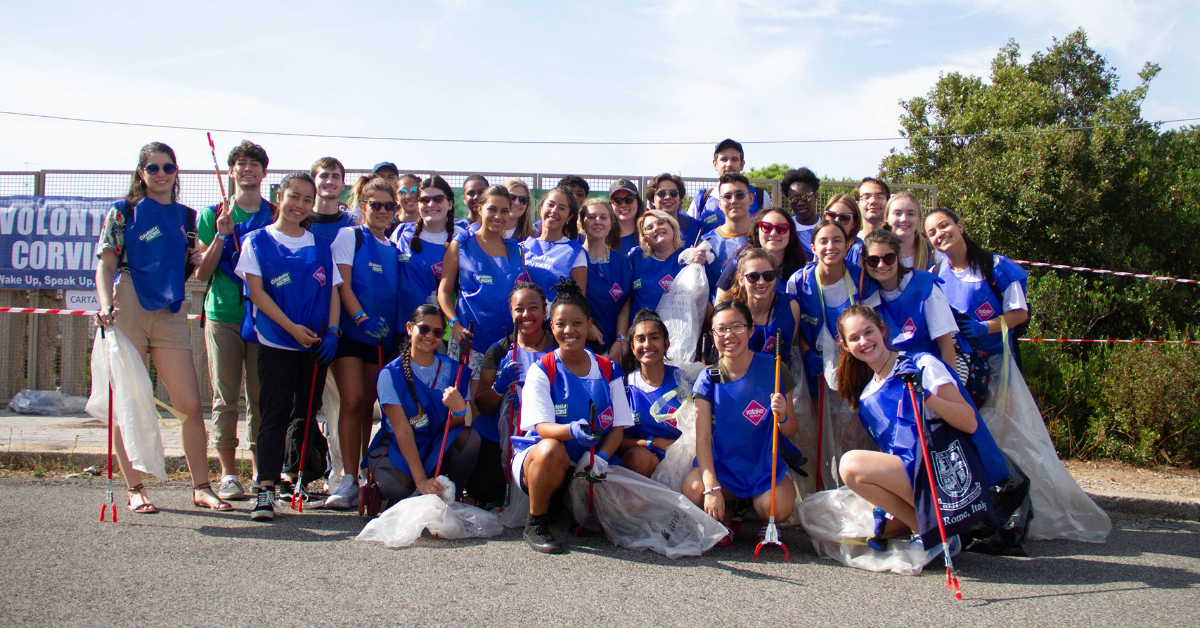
x: 337, y: 331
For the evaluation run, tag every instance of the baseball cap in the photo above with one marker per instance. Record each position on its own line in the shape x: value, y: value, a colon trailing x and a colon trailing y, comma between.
x: 623, y: 184
x: 385, y: 164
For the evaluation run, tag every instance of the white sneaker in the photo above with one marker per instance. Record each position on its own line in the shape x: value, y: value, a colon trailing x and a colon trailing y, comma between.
x: 346, y: 496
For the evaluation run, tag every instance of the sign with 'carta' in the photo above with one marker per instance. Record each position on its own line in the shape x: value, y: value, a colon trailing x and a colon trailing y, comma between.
x: 50, y: 241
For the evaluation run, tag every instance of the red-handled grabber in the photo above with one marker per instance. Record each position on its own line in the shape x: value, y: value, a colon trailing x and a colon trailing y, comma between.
x: 108, y: 493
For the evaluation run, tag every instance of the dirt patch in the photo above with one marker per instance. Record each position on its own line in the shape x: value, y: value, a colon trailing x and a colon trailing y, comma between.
x: 1118, y: 477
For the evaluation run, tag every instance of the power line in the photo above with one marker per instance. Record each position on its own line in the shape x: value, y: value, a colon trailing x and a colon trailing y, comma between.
x: 587, y: 143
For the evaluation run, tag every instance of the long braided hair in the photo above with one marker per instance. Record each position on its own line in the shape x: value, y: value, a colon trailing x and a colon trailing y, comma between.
x: 423, y: 310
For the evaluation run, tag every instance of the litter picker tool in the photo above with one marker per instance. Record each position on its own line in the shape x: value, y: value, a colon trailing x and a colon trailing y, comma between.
x: 771, y: 536
x: 512, y: 428
x: 820, y: 428
x: 910, y: 382
x: 298, y: 494
x: 221, y: 182
x: 462, y: 361
x: 368, y: 491
x: 108, y: 493
x: 591, y: 522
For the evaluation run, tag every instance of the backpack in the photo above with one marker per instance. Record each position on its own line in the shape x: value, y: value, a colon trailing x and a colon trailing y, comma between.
x: 551, y: 366
x: 758, y: 197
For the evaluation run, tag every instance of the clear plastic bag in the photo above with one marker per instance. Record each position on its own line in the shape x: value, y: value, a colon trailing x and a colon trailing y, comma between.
x: 134, y: 409
x: 331, y: 404
x: 642, y: 514
x: 516, y: 508
x: 46, y: 403
x: 839, y: 522
x: 1061, y: 510
x: 682, y: 311
x: 677, y: 462
x: 402, y: 524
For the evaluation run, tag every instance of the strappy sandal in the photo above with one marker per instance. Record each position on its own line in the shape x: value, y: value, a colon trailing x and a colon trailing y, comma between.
x: 221, y: 505
x: 146, y: 507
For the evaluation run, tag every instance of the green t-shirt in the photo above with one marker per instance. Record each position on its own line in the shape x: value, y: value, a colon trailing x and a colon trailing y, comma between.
x: 224, y: 299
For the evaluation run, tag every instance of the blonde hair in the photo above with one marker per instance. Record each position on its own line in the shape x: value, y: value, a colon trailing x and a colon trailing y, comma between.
x: 613, y: 239
x: 367, y: 186
x: 922, y: 249
x: 657, y: 214
x: 524, y: 224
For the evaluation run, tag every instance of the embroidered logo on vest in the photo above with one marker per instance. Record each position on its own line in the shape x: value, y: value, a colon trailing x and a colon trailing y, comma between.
x: 616, y: 292
x: 152, y: 234
x: 605, y: 419
x: 319, y: 275
x: 437, y: 270
x: 769, y: 345
x: 754, y: 412
x: 376, y: 267
x: 637, y: 283
x: 280, y: 281
x: 909, y: 328
x: 484, y: 279
x: 665, y: 282
x: 560, y: 409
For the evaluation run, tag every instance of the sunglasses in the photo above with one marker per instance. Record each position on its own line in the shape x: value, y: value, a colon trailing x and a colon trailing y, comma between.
x: 804, y: 198
x: 735, y: 196
x: 766, y: 277
x: 519, y: 198
x: 167, y: 168
x: 430, y: 200
x: 845, y: 219
x: 887, y: 259
x: 667, y: 193
x: 768, y: 228
x: 426, y: 330
x: 409, y: 191
x: 376, y: 206
x: 623, y: 200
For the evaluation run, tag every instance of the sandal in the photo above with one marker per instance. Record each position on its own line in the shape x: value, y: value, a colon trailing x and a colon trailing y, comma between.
x: 146, y: 507
x: 206, y: 490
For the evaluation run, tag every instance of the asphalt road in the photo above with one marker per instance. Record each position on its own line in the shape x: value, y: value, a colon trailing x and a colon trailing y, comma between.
x: 187, y: 567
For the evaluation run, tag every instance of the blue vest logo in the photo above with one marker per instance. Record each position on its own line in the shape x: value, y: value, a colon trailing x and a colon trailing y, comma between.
x: 637, y: 418
x: 605, y: 419
x: 420, y: 421
x: 281, y: 280
x: 909, y: 329
x: 637, y: 283
x: 754, y: 412
x: 665, y: 282
x: 616, y: 292
x: 985, y: 311
x: 404, y: 258
x: 486, y: 280
x: 560, y: 409
x: 376, y: 267
x: 152, y: 234
x: 319, y: 275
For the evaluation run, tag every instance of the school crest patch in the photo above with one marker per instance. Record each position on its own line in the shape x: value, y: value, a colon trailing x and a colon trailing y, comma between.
x: 954, y: 477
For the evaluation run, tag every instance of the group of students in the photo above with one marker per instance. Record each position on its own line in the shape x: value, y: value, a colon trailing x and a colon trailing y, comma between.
x: 504, y: 347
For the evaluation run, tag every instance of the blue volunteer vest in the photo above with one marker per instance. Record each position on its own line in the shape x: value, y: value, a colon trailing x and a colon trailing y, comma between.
x: 420, y: 274
x: 156, y: 243
x: 230, y: 254
x: 814, y: 311
x: 627, y: 244
x: 905, y: 315
x: 300, y: 283
x: 651, y: 279
x: 609, y: 284
x: 653, y: 411
x: 572, y: 397
x: 725, y: 250
x: 977, y: 299
x: 742, y: 430
x: 429, y: 424
x: 488, y: 425
x: 711, y: 215
x: 375, y: 283
x: 549, y: 262
x: 762, y: 339
x: 483, y: 286
x: 319, y: 227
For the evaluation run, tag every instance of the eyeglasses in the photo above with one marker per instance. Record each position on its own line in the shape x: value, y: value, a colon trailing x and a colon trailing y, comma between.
x: 667, y: 193
x: 430, y: 200
x: 735, y: 196
x: 409, y: 191
x: 766, y: 276
x: 803, y: 198
x: 426, y: 330
x: 623, y: 200
x: 887, y: 259
x: 519, y: 198
x: 167, y: 168
x: 879, y: 197
x: 782, y: 228
x: 845, y: 219
x: 735, y: 328
x: 376, y: 206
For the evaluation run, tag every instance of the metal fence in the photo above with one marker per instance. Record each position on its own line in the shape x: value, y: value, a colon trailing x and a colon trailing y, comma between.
x: 52, y: 352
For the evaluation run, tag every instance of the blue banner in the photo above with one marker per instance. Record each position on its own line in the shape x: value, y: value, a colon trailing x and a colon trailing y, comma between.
x: 49, y: 242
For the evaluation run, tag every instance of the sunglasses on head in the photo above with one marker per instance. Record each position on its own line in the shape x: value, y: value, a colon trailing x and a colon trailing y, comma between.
x: 887, y: 259
x: 429, y: 200
x: 766, y: 276
x: 376, y: 206
x: 768, y: 228
x: 519, y: 198
x: 154, y: 168
x: 426, y: 330
x: 845, y: 219
x: 667, y: 193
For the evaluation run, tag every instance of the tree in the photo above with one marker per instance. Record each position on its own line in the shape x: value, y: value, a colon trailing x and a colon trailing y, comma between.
x: 773, y: 171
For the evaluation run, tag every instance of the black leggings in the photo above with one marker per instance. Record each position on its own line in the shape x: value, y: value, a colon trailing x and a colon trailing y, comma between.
x: 285, y: 390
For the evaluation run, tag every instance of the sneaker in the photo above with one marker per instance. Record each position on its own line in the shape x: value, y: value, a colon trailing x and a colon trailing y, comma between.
x: 346, y: 495
x: 264, y: 507
x: 538, y: 536
x: 231, y: 488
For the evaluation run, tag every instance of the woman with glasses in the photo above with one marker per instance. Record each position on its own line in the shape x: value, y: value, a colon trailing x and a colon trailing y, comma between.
x: 843, y: 209
x: 150, y: 272
x: 987, y: 291
x: 772, y: 230
x: 418, y: 395
x: 520, y: 223
x: 904, y: 216
x: 772, y: 310
x: 556, y: 254
x: 628, y: 207
x: 422, y: 247
x: 800, y: 188
x: 609, y: 273
x: 735, y: 408
x: 370, y: 299
x: 665, y: 193
x: 911, y: 302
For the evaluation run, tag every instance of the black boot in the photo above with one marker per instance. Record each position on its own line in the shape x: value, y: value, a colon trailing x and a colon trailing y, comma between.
x: 538, y: 536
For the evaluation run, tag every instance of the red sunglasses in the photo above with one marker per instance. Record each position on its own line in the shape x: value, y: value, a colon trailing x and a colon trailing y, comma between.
x: 768, y: 228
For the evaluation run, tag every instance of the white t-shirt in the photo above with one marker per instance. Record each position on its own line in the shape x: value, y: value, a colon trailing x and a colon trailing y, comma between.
x: 537, y: 406
x: 933, y: 375
x: 343, y: 246
x: 1014, y: 295
x: 835, y: 295
x: 938, y: 315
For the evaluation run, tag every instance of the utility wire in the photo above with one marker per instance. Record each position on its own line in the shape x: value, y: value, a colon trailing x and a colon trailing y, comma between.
x: 587, y: 143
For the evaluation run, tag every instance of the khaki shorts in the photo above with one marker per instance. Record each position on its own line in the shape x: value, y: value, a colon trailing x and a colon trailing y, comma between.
x: 160, y: 329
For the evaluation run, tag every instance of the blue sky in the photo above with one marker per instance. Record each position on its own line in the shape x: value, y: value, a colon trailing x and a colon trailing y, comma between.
x: 670, y: 70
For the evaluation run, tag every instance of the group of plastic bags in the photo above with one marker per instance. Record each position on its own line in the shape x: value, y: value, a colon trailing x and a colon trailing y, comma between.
x: 403, y: 523
x: 117, y: 362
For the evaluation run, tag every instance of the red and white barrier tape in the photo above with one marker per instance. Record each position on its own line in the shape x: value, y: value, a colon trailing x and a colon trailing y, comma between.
x: 1105, y: 340
x: 1099, y: 271
x: 44, y: 310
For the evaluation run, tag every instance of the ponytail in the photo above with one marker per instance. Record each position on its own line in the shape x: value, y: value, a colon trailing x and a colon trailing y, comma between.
x: 569, y: 293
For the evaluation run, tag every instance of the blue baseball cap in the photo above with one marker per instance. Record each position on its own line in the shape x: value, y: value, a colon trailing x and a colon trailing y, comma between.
x: 385, y: 164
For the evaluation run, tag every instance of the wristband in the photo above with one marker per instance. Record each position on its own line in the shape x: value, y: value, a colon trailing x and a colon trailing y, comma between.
x: 453, y: 321
x: 785, y: 419
x: 463, y: 413
x: 602, y: 455
x: 360, y: 313
x: 650, y: 443
x: 710, y: 491
x: 620, y: 338
x: 219, y: 236
x: 337, y: 331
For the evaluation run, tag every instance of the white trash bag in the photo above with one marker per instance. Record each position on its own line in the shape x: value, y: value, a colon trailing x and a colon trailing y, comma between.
x: 682, y: 309
x: 677, y: 462
x: 642, y: 514
x: 134, y: 410
x: 515, y: 509
x: 839, y: 522
x: 402, y: 524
